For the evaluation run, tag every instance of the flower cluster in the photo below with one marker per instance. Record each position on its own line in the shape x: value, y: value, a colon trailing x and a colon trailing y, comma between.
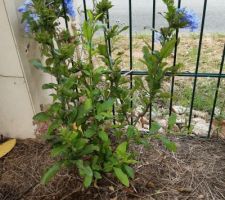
x: 26, y: 7
x: 189, y: 17
x: 158, y: 37
x: 70, y: 8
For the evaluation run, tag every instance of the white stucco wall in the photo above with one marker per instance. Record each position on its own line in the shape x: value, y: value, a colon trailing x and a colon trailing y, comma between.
x: 20, y: 83
x: 21, y: 91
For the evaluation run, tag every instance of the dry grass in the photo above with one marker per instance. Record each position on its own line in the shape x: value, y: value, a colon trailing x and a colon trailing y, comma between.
x: 196, y: 171
x: 210, y: 60
x: 212, y: 48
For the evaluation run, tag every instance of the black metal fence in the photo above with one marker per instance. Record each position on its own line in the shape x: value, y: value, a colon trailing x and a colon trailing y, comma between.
x: 195, y: 75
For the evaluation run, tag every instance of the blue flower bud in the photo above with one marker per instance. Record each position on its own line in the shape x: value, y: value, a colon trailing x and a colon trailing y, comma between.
x: 22, y: 9
x: 27, y: 27
x: 28, y: 3
x: 34, y: 16
x: 189, y: 17
x: 70, y: 8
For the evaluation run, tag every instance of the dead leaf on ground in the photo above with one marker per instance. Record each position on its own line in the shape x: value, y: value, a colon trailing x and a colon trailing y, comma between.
x: 6, y: 147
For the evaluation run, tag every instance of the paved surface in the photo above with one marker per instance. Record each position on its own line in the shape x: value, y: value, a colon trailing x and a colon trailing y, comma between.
x: 142, y: 11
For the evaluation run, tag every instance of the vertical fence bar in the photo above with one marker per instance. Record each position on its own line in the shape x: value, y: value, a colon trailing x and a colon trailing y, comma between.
x: 153, y: 25
x: 85, y: 9
x: 217, y: 91
x: 110, y: 53
x: 174, y: 63
x: 153, y: 48
x: 65, y: 15
x: 131, y: 54
x: 108, y: 26
x: 197, y: 63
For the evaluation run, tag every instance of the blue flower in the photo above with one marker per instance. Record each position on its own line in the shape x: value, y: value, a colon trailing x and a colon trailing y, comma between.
x: 27, y: 6
x: 158, y: 37
x: 70, y: 8
x: 34, y: 16
x: 27, y: 27
x: 28, y: 3
x: 189, y: 17
x: 22, y: 9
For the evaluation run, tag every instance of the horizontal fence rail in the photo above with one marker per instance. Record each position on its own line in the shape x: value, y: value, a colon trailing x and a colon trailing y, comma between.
x: 194, y: 75
x: 182, y: 74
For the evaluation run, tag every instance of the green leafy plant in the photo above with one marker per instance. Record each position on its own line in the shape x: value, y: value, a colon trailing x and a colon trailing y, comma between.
x: 82, y: 130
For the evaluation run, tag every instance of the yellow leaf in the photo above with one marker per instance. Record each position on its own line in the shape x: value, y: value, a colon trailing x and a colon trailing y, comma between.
x: 75, y: 127
x: 6, y: 147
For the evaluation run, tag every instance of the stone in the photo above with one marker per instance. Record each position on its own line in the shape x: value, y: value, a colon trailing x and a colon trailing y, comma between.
x: 162, y: 122
x: 201, y: 127
x: 217, y: 111
x: 198, y: 120
x: 218, y: 129
x: 155, y: 114
x: 180, y: 109
x: 144, y: 130
x: 201, y: 114
x: 181, y: 120
x: 162, y: 131
x: 176, y: 128
x: 139, y: 109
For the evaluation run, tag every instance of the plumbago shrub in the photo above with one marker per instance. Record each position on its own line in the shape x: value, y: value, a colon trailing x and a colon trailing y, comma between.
x: 82, y: 130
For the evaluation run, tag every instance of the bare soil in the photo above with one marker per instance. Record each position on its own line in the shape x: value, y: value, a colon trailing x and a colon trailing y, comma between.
x: 195, y: 171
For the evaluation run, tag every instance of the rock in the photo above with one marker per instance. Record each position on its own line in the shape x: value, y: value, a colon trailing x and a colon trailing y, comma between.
x: 162, y: 122
x: 176, y: 128
x: 144, y: 121
x: 162, y: 131
x: 181, y: 120
x: 180, y: 109
x: 218, y: 129
x: 144, y: 130
x: 155, y: 114
x: 201, y: 114
x: 198, y: 120
x: 217, y: 111
x: 139, y: 109
x: 201, y: 127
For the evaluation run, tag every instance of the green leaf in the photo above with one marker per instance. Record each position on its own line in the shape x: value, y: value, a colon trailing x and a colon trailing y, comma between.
x: 131, y: 131
x: 49, y: 86
x: 172, y: 121
x: 90, y: 149
x: 121, y: 176
x: 86, y: 172
x: 108, y: 166
x: 97, y: 175
x: 84, y: 109
x: 105, y: 106
x: 41, y: 117
x: 54, y: 125
x: 87, y: 181
x: 129, y: 171
x: 58, y: 150
x: 103, y: 136
x: 171, y: 146
x: 37, y: 64
x: 89, y: 133
x: 121, y: 149
x: 51, y: 172
x: 167, y: 49
x: 154, y: 128
x: 80, y: 143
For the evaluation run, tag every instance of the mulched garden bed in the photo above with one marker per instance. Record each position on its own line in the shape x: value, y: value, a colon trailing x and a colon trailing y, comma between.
x: 196, y: 171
